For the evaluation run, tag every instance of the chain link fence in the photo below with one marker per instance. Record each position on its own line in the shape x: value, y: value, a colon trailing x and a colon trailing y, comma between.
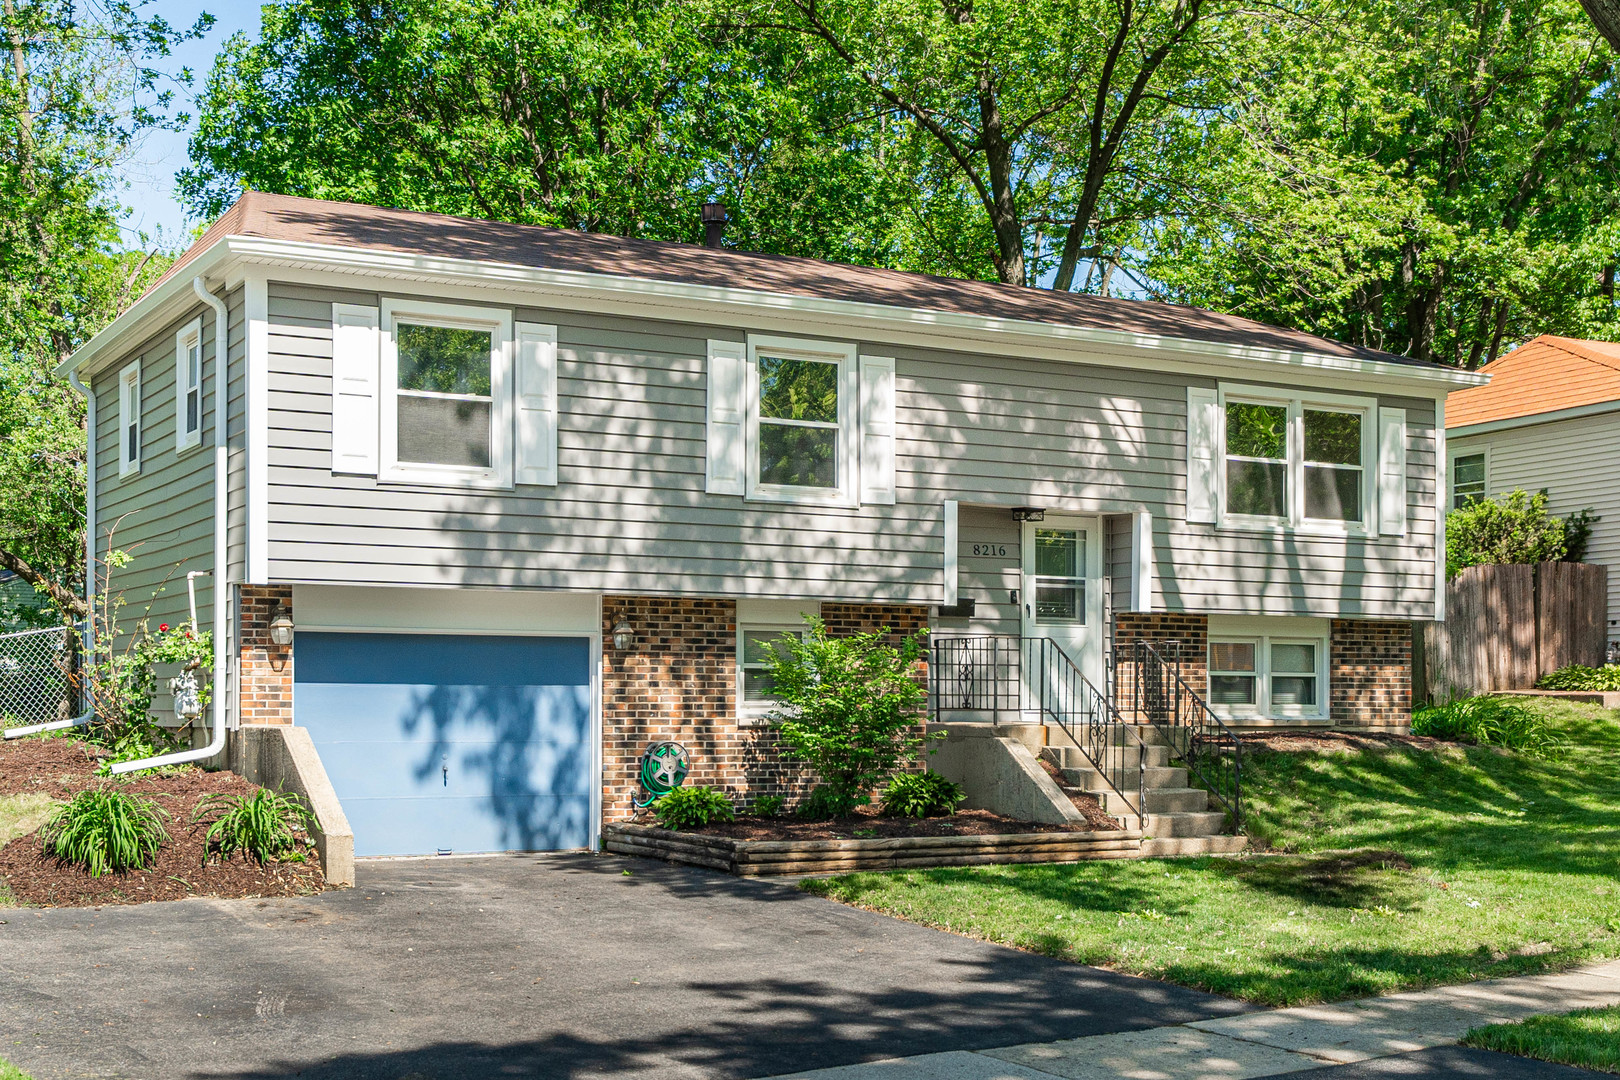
x: 38, y: 675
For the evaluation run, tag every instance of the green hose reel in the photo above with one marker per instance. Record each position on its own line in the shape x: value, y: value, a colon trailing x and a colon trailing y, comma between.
x: 664, y: 766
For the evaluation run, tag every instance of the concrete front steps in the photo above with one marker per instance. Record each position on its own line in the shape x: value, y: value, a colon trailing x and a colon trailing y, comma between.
x: 1177, y: 818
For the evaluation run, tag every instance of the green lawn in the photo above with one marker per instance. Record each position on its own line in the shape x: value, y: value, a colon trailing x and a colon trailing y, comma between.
x: 1589, y: 1038
x: 1467, y: 863
x: 19, y: 816
x: 8, y: 1071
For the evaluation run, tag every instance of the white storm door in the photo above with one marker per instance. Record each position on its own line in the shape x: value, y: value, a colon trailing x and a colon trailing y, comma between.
x: 1062, y: 593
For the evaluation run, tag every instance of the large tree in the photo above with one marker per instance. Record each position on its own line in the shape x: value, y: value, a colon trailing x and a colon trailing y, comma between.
x: 604, y: 115
x: 76, y: 93
x: 1434, y: 178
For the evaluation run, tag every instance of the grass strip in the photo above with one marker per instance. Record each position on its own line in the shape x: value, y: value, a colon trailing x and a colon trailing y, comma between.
x: 1587, y: 1038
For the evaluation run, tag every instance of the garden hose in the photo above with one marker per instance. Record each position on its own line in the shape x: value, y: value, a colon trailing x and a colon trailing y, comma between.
x: 663, y: 766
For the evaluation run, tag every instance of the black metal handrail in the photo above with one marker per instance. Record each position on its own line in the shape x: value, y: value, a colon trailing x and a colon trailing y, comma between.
x: 1211, y: 751
x: 1000, y: 674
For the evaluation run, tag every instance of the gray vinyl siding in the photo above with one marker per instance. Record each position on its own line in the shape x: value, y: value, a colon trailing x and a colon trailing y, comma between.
x: 630, y: 513
x: 161, y: 516
x: 236, y: 439
x: 1575, y: 461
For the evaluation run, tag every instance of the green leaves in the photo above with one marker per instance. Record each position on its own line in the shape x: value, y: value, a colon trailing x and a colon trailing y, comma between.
x: 263, y: 825
x: 921, y: 795
x: 693, y: 808
x: 105, y: 830
x: 1516, y: 529
x: 849, y: 707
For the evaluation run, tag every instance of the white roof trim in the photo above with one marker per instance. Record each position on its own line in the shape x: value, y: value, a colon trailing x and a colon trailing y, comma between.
x: 703, y: 300
x: 1597, y: 408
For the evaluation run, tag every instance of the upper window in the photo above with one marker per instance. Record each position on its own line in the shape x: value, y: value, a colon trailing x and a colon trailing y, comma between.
x: 129, y: 420
x: 1298, y: 461
x: 446, y: 408
x: 1467, y: 479
x: 1060, y: 580
x: 801, y: 413
x: 188, y: 387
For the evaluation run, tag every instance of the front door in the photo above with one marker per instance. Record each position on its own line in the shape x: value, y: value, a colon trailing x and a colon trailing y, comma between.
x: 1062, y: 595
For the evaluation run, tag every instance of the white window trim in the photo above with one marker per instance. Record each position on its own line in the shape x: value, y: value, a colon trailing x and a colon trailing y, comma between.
x: 1264, y: 633
x: 1452, y: 454
x: 849, y: 483
x: 129, y: 407
x: 458, y: 316
x: 1296, y: 404
x: 189, y: 335
x: 755, y: 712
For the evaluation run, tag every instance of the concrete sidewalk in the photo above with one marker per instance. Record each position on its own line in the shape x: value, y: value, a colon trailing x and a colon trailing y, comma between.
x: 1280, y: 1041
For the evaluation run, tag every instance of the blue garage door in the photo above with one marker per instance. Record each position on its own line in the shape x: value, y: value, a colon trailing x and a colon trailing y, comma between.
x: 448, y: 742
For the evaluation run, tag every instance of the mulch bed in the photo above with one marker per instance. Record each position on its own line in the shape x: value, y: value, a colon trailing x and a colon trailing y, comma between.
x: 63, y: 767
x: 1298, y: 740
x: 869, y: 823
x: 1089, y: 805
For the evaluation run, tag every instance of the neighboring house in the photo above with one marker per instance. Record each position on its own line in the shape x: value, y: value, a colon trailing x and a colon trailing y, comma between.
x: 1549, y: 419
x: 530, y: 498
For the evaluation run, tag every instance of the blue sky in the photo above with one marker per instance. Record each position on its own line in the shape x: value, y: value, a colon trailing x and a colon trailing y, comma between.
x: 149, y: 173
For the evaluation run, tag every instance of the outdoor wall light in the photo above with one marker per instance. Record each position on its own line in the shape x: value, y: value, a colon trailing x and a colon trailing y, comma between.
x: 1029, y: 513
x: 281, y: 626
x: 624, y: 635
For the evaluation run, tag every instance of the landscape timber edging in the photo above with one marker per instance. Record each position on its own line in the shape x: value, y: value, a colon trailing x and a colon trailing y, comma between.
x: 753, y: 858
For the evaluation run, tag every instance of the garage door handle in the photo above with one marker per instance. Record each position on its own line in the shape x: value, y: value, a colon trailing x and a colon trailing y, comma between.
x: 445, y: 769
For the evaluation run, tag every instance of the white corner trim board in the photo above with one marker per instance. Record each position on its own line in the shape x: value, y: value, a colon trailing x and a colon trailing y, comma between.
x: 1142, y: 561
x: 953, y: 553
x: 256, y: 315
x: 700, y: 303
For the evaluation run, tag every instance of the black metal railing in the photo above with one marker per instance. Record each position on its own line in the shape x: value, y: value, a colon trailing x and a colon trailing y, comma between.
x: 1032, y: 680
x: 1212, y: 753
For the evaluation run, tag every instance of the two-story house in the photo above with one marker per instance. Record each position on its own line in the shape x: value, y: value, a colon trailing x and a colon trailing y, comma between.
x: 525, y: 499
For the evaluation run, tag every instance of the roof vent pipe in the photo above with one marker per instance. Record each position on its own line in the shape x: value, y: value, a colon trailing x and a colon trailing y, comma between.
x: 714, y: 224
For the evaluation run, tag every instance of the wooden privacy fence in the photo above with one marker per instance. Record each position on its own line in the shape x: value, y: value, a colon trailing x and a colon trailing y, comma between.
x: 1506, y: 626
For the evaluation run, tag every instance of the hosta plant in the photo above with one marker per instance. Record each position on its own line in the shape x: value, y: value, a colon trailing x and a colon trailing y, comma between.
x: 693, y: 808
x: 921, y: 795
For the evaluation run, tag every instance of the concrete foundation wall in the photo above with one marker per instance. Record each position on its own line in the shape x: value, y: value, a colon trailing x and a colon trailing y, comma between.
x: 1001, y: 775
x: 283, y: 758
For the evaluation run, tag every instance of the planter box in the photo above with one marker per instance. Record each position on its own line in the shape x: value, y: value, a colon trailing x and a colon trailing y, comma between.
x: 752, y: 858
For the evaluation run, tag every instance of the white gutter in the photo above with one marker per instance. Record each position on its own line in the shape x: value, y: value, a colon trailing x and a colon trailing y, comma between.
x: 89, y: 642
x: 221, y: 591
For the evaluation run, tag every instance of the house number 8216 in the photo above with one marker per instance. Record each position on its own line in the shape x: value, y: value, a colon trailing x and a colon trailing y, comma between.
x: 990, y: 549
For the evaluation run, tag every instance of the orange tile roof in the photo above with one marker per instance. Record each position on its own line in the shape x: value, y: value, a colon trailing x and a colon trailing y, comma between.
x: 1543, y: 375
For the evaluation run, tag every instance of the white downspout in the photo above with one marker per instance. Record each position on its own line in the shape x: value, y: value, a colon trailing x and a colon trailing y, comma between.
x: 221, y: 593
x: 89, y: 564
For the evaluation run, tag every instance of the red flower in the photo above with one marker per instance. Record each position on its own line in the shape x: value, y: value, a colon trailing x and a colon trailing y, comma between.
x: 163, y: 628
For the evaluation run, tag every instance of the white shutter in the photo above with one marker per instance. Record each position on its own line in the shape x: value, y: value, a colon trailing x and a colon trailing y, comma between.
x: 727, y: 444
x: 1392, y: 472
x: 1142, y: 561
x: 536, y: 403
x: 1203, y: 453
x: 877, y: 429
x: 356, y: 345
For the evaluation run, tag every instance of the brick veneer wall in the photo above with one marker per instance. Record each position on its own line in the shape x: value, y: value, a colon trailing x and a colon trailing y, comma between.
x: 679, y: 681
x: 264, y: 669
x: 1192, y: 633
x: 1370, y: 673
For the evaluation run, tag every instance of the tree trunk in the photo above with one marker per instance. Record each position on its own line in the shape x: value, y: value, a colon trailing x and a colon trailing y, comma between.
x: 1606, y: 14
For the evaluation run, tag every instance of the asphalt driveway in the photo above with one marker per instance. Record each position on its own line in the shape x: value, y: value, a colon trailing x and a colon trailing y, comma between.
x: 549, y: 966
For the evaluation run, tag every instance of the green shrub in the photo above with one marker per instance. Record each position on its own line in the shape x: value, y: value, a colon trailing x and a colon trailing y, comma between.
x: 104, y: 830
x: 693, y: 808
x: 849, y: 707
x: 1516, y: 529
x: 1488, y: 721
x: 1580, y: 677
x: 264, y: 825
x: 766, y: 806
x: 827, y: 802
x: 921, y: 795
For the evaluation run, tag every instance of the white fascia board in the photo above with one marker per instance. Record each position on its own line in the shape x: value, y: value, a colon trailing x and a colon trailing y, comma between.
x: 1598, y: 408
x: 870, y: 322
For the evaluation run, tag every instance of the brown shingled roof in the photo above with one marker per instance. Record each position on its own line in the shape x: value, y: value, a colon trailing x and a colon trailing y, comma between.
x: 1543, y: 375
x: 318, y: 221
